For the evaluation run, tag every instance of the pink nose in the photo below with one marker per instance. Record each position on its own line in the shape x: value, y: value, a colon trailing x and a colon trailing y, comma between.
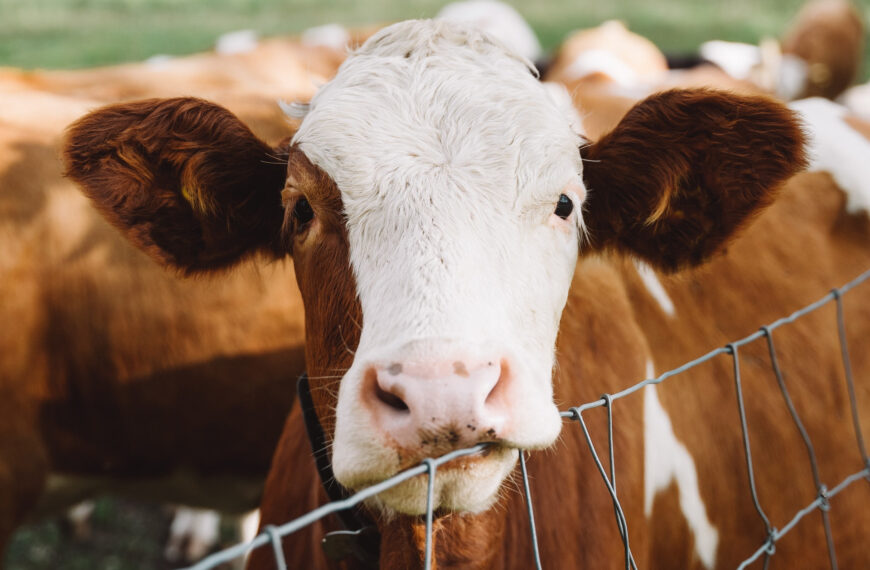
x: 434, y: 407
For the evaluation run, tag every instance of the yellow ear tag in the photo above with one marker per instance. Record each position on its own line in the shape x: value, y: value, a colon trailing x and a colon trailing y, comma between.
x: 188, y: 195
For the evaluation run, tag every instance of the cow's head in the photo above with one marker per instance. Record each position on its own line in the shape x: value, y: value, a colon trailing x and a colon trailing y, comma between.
x: 434, y: 201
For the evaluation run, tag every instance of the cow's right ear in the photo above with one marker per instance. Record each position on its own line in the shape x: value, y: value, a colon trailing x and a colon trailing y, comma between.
x: 684, y: 170
x: 185, y: 180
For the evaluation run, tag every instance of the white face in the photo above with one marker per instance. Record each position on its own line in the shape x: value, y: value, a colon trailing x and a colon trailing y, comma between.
x: 451, y: 159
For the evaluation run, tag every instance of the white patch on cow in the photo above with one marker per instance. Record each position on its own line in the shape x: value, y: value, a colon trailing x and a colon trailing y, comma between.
x: 192, y: 534
x: 159, y: 61
x: 857, y: 100
x: 602, y: 61
x: 79, y: 518
x: 334, y: 36
x: 560, y: 96
x: 249, y: 523
x: 736, y: 59
x: 654, y: 287
x: 666, y: 460
x: 792, y: 77
x: 450, y: 157
x: 500, y: 21
x: 240, y: 41
x: 838, y: 149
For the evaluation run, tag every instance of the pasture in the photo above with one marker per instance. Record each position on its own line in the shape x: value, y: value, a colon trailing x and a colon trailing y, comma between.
x: 87, y: 33
x: 48, y: 34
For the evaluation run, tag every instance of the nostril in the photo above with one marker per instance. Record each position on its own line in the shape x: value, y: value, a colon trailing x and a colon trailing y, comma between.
x: 391, y: 395
x: 390, y: 399
x: 497, y: 394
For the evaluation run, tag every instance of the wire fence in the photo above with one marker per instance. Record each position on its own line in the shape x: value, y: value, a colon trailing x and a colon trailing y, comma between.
x: 273, y: 535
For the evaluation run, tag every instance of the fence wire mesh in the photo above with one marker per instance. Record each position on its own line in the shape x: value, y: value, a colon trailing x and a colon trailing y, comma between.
x: 274, y: 534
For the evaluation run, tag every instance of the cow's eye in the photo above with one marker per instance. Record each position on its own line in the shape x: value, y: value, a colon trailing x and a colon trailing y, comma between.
x: 302, y: 212
x: 564, y: 207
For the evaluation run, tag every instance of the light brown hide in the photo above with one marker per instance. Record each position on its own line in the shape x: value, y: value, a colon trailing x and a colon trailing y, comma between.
x: 113, y: 369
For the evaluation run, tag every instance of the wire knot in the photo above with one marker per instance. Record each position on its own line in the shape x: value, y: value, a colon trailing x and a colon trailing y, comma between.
x: 575, y: 413
x: 770, y: 545
x: 824, y: 498
x: 836, y: 293
x: 608, y: 400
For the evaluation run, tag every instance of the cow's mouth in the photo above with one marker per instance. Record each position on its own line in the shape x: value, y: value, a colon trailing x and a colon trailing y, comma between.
x: 468, y: 483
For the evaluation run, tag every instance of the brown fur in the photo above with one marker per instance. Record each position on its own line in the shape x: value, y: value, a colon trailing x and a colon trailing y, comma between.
x: 696, y: 164
x: 610, y: 327
x: 163, y: 154
x: 638, y: 53
x: 829, y: 36
x: 113, y: 368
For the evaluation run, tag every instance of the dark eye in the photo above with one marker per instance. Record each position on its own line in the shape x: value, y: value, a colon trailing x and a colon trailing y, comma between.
x: 302, y: 212
x: 564, y: 207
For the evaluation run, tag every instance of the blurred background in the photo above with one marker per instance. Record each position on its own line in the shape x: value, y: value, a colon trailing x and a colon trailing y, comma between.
x: 85, y: 33
x: 69, y: 34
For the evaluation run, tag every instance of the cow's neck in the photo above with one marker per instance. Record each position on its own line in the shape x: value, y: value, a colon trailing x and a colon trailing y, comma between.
x: 458, y: 540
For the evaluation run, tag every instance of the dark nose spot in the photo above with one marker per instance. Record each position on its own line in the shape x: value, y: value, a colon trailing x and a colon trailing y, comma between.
x: 395, y: 368
x: 459, y: 369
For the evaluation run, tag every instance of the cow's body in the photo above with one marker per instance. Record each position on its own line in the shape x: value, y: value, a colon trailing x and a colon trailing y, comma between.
x: 679, y: 458
x: 115, y: 375
x: 805, y: 233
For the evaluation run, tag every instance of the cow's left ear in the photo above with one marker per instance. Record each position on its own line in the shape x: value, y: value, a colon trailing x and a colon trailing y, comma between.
x: 183, y: 179
x: 684, y: 170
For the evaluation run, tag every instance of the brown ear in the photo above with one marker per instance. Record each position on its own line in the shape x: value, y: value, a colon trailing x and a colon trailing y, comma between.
x: 684, y: 170
x: 185, y: 180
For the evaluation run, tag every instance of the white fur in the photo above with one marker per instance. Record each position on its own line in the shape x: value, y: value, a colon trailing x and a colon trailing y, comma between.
x: 450, y: 157
x: 499, y: 20
x: 603, y: 61
x: 736, y: 59
x: 192, y: 534
x: 240, y: 41
x: 654, y: 287
x: 857, y: 100
x: 792, y: 76
x: 333, y: 36
x: 79, y: 518
x: 159, y: 61
x: 560, y: 96
x: 667, y: 460
x: 838, y: 149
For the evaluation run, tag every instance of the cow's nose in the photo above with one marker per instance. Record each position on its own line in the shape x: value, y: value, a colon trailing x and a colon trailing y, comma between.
x: 432, y: 407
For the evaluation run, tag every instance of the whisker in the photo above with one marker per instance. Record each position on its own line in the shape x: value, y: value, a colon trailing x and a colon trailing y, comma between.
x: 346, y: 347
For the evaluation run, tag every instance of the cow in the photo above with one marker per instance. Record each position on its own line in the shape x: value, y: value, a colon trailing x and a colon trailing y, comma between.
x: 818, y: 56
x: 115, y: 376
x: 247, y: 76
x: 469, y: 264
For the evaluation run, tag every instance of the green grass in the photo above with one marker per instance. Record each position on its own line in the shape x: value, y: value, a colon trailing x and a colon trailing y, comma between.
x: 84, y: 33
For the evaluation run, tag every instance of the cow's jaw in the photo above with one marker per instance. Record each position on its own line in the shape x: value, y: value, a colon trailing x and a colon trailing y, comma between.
x: 450, y: 159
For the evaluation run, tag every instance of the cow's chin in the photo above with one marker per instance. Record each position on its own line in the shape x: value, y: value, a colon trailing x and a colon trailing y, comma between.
x: 468, y: 484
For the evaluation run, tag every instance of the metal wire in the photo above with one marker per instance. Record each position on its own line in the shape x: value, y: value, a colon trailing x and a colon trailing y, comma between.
x: 620, y: 515
x: 821, y: 489
x: 275, y: 538
x: 430, y: 491
x: 847, y: 368
x: 746, y: 447
x: 822, y: 501
x: 529, y: 508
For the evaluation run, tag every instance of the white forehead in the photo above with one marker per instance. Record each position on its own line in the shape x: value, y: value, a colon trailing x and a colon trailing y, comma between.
x: 429, y: 100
